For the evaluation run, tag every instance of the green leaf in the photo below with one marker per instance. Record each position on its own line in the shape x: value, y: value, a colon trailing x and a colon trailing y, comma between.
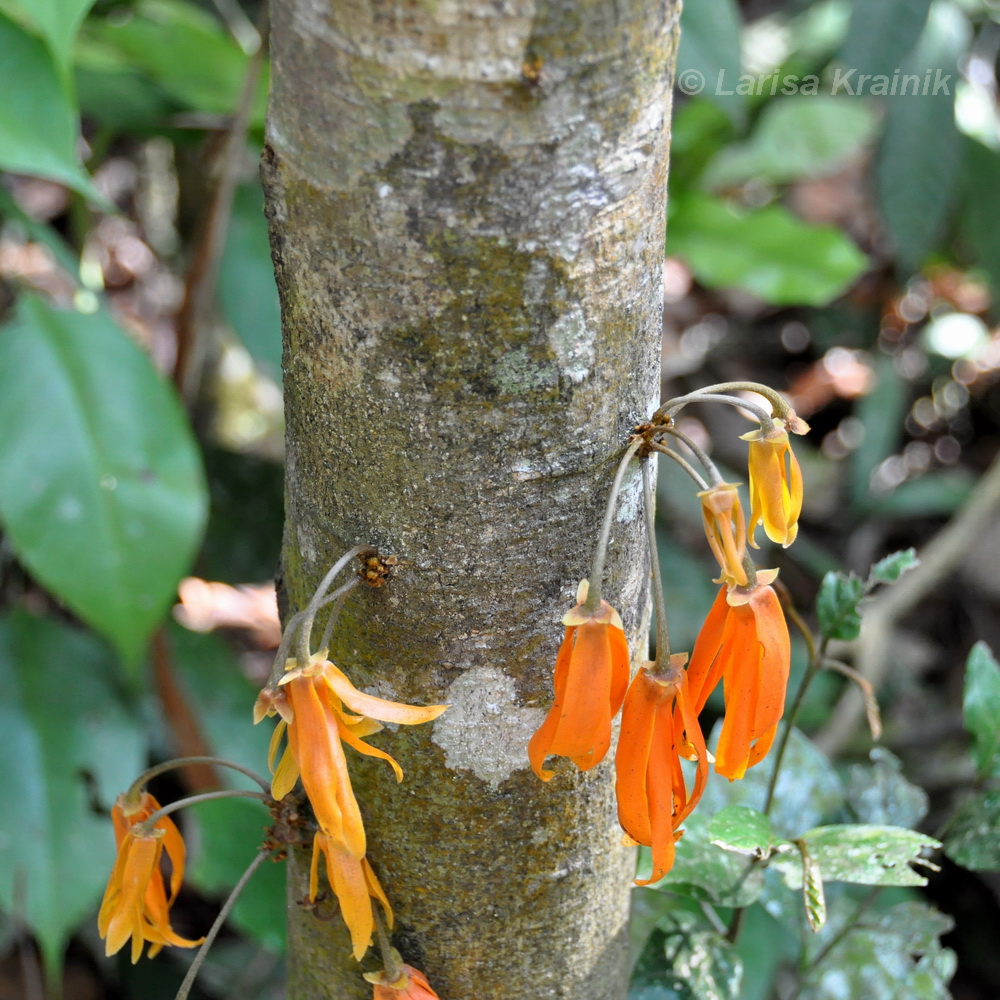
x: 232, y: 832
x: 795, y: 138
x: 58, y: 22
x: 880, y: 795
x: 881, y: 413
x: 710, y: 52
x: 704, y: 965
x: 837, y: 606
x: 876, y: 959
x: 247, y: 291
x: 981, y: 207
x: 813, y: 895
x: 705, y: 872
x: 868, y: 855
x: 919, y: 163
x: 892, y: 567
x: 186, y: 52
x: 981, y: 709
x: 972, y: 839
x: 742, y: 830
x: 767, y: 252
x: 881, y: 34
x: 64, y: 729
x: 101, y: 488
x: 38, y: 123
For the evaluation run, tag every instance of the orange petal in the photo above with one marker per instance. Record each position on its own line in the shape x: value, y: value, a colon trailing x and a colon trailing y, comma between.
x: 705, y: 670
x: 692, y: 736
x: 585, y: 724
x: 541, y: 741
x: 377, y: 708
x: 741, y: 667
x: 632, y: 758
x: 775, y: 658
x: 621, y: 664
x: 369, y: 751
x: 347, y: 879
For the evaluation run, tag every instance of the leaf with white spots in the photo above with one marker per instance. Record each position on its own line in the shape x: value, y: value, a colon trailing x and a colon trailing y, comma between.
x: 101, y: 488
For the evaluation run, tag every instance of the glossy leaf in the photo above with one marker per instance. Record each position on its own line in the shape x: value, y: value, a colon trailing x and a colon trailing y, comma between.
x: 919, y: 162
x: 231, y: 833
x: 710, y: 52
x: 101, y: 488
x: 864, y: 855
x: 972, y: 839
x: 879, y: 794
x: 881, y: 34
x: 58, y: 22
x: 981, y: 709
x: 38, y: 122
x: 767, y: 252
x: 703, y: 965
x: 743, y: 830
x: 837, y: 606
x: 796, y: 138
x: 69, y: 741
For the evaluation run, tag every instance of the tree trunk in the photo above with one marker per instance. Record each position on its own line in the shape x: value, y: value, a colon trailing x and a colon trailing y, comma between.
x: 466, y: 200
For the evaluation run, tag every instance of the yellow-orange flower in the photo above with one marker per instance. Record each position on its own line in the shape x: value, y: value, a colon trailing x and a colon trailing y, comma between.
x: 591, y: 677
x: 354, y: 884
x: 744, y: 643
x: 658, y: 725
x: 135, y: 903
x: 411, y: 984
x: 775, y: 484
x: 726, y: 531
x: 313, y: 702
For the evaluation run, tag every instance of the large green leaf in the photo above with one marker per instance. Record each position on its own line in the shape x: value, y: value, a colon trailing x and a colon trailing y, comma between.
x: 101, y: 488
x: 881, y: 35
x: 981, y: 207
x: 767, y: 252
x: 919, y: 162
x: 38, y: 123
x: 186, y: 51
x: 63, y: 729
x: 981, y: 709
x: 879, y: 794
x: 247, y: 290
x: 794, y: 138
x: 58, y: 22
x: 703, y: 964
x: 709, y: 54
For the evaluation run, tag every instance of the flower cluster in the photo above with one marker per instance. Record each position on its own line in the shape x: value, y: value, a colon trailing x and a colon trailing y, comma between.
x: 743, y: 644
x: 320, y: 710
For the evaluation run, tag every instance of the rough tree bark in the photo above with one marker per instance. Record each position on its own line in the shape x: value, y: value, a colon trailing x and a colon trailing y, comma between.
x: 466, y: 201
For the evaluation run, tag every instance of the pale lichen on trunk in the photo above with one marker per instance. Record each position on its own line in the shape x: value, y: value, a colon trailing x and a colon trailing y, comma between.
x: 466, y: 201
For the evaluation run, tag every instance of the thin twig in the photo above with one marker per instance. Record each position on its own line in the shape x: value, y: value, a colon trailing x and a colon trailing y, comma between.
x: 938, y: 560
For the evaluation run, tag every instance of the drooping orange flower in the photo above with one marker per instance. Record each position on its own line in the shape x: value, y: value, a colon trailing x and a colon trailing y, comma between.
x: 591, y: 678
x: 744, y: 643
x: 354, y: 884
x: 726, y: 531
x: 135, y: 903
x: 658, y: 725
x: 775, y: 485
x: 313, y: 702
x: 411, y: 984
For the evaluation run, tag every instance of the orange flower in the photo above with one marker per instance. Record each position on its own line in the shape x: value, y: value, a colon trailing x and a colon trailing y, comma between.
x: 658, y: 723
x: 135, y: 903
x: 411, y: 984
x: 726, y: 531
x: 313, y: 702
x: 744, y: 642
x: 354, y: 884
x: 775, y: 485
x: 591, y: 677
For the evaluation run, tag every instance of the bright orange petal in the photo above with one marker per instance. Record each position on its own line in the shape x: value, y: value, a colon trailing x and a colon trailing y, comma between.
x: 690, y: 733
x: 775, y: 657
x: 632, y: 758
x: 585, y: 724
x: 541, y: 741
x: 369, y: 751
x: 347, y: 879
x: 377, y: 708
x: 621, y: 664
x: 704, y: 672
x: 741, y: 667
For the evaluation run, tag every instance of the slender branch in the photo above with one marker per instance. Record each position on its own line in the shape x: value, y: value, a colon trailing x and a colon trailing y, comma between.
x: 938, y: 560
x: 317, y: 601
x: 593, y: 601
x: 199, y: 959
x: 682, y: 462
x: 662, y: 633
x: 148, y: 775
x: 699, y: 453
x: 781, y: 407
x: 867, y: 693
x: 192, y: 800
x: 674, y: 406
